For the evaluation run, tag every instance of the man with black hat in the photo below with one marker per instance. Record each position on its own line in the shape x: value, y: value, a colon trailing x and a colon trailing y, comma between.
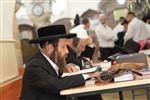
x: 41, y: 79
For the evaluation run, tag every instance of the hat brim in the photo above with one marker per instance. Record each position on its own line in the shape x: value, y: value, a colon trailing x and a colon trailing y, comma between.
x: 52, y: 38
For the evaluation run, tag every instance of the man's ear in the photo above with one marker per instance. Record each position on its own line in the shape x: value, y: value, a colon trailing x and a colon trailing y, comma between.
x: 50, y: 48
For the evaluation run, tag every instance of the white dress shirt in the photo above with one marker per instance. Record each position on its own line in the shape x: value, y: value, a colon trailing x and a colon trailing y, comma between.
x: 136, y: 30
x: 105, y: 35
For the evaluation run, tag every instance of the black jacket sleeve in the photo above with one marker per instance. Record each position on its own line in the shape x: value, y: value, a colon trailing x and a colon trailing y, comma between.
x: 40, y: 77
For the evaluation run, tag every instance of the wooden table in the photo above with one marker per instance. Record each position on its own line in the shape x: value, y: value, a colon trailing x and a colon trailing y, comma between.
x: 99, y: 88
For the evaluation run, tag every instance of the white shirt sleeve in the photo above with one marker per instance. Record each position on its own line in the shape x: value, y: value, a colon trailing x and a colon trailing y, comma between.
x: 129, y: 33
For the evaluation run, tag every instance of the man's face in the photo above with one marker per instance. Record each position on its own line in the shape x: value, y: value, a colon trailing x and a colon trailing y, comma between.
x: 87, y: 26
x: 103, y: 20
x: 59, y: 54
x: 62, y: 48
x: 59, y: 51
x: 129, y: 17
x: 81, y: 45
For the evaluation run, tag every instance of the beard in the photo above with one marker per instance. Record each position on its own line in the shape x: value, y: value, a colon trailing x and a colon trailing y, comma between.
x: 59, y: 60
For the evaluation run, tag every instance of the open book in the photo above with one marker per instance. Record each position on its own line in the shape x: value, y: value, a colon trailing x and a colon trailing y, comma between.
x: 102, y: 66
x: 89, y: 70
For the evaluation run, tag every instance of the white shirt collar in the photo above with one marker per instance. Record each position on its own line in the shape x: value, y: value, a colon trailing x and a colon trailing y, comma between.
x: 52, y: 63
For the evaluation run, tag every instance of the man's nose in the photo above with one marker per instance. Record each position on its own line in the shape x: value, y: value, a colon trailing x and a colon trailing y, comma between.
x: 66, y: 50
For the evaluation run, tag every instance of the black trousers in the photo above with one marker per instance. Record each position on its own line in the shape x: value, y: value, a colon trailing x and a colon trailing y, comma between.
x: 106, y: 52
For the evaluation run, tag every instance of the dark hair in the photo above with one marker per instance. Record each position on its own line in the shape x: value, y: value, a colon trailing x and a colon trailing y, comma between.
x: 131, y: 13
x: 85, y: 21
x: 44, y: 43
x: 146, y: 17
x: 77, y: 20
x: 124, y: 22
x: 121, y: 19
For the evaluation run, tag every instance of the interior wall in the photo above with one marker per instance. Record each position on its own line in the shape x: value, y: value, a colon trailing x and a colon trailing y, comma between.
x: 8, y: 59
x: 9, y: 68
x: 16, y: 35
x: 76, y: 6
x: 7, y: 19
x: 108, y: 7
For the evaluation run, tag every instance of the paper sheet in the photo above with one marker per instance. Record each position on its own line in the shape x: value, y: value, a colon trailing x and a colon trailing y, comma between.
x: 80, y: 72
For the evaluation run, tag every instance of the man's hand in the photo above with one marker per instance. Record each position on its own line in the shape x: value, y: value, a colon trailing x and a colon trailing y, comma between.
x: 70, y: 68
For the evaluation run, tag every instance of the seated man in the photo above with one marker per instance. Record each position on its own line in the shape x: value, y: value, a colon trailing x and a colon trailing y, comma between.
x: 41, y: 80
x: 84, y: 32
x: 75, y: 47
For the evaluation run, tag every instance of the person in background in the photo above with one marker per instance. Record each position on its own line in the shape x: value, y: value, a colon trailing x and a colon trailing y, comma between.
x: 92, y: 48
x: 120, y: 41
x: 75, y: 47
x: 136, y: 28
x: 146, y: 19
x: 41, y: 79
x: 106, y: 37
x: 119, y: 27
x: 81, y: 30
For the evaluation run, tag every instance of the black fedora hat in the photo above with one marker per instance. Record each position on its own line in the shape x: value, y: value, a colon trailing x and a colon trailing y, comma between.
x: 51, y: 33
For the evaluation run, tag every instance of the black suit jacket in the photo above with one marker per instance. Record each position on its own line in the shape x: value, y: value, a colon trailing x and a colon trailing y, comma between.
x: 41, y: 82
